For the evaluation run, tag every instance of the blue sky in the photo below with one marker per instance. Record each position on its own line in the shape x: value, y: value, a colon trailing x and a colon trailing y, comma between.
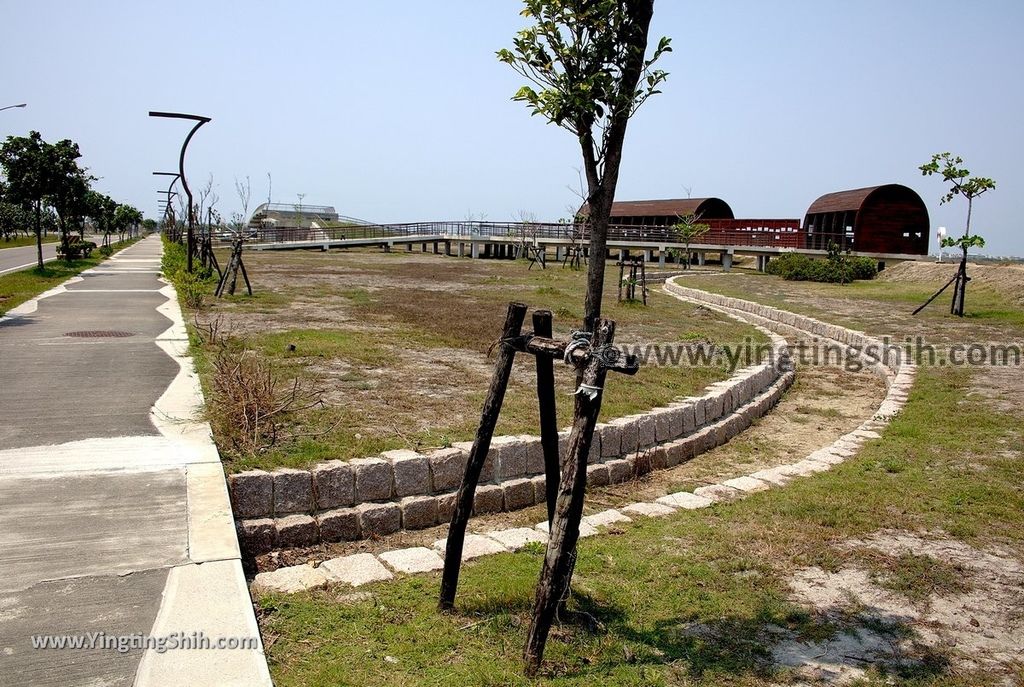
x: 397, y: 110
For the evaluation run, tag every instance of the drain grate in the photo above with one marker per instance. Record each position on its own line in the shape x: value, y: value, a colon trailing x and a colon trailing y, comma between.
x: 99, y: 334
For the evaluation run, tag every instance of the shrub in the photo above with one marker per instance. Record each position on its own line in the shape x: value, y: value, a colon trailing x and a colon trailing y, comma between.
x: 192, y: 288
x: 251, y: 402
x: 837, y: 269
x: 75, y: 248
x: 863, y: 268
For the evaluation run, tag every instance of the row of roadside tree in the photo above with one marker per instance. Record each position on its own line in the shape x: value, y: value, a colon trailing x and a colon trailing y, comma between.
x: 44, y: 189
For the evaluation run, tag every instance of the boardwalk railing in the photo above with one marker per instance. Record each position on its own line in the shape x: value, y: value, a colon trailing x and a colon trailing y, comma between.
x: 742, y: 232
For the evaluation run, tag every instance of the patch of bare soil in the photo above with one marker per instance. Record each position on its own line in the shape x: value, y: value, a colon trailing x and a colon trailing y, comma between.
x: 1006, y: 279
x: 1000, y: 386
x: 971, y: 623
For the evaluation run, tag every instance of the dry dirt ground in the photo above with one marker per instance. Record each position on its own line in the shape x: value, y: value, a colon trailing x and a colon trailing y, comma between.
x: 398, y: 343
x: 967, y: 604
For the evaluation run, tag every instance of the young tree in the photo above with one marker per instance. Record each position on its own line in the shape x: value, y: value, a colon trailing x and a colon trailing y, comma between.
x: 13, y: 218
x: 68, y: 188
x: 102, y: 209
x: 588, y: 66
x: 586, y: 60
x: 126, y: 219
x: 240, y: 220
x: 961, y: 184
x: 26, y: 165
x: 688, y: 229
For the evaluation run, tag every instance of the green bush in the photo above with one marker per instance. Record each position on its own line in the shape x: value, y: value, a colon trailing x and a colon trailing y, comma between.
x: 863, y: 268
x: 192, y: 288
x: 837, y: 269
x: 75, y: 248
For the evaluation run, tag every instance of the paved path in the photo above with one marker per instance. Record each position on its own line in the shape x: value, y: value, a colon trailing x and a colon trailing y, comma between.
x: 114, y: 516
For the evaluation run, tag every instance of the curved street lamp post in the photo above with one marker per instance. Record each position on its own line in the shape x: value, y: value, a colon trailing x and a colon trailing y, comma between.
x: 199, y: 120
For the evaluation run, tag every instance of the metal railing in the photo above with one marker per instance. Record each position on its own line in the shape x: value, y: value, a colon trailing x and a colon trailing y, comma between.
x: 743, y: 232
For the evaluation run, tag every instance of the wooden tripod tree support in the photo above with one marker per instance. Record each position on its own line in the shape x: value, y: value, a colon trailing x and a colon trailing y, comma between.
x: 229, y: 278
x: 959, y: 284
x: 593, y: 356
x: 637, y: 275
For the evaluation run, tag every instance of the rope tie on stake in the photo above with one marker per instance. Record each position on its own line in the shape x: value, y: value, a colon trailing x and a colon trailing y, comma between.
x: 580, y: 339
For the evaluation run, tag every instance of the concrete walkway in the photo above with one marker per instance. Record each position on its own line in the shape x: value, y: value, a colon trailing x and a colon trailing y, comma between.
x: 114, y: 515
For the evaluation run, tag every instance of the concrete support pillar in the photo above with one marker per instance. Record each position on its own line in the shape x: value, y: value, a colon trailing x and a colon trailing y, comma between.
x: 764, y: 263
x: 437, y: 249
x: 487, y: 250
x: 700, y: 259
x: 623, y: 253
x: 559, y: 253
x: 447, y: 247
x: 408, y: 248
x: 462, y: 249
x: 388, y: 246
x: 726, y: 261
x: 474, y: 250
x: 661, y: 257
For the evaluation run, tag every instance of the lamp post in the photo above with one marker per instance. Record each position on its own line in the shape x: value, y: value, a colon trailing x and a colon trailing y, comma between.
x: 170, y: 194
x: 199, y: 120
x: 8, y: 107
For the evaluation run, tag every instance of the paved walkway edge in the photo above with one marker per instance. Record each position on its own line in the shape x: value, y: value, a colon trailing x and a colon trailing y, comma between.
x: 209, y: 595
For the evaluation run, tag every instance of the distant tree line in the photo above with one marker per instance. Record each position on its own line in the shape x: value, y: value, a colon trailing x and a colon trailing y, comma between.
x: 44, y: 189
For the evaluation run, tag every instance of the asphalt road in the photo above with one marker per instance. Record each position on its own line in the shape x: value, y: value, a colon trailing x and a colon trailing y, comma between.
x: 14, y: 259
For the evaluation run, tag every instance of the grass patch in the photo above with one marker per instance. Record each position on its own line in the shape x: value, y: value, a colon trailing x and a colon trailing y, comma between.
x: 917, y: 576
x: 689, y: 599
x: 18, y: 287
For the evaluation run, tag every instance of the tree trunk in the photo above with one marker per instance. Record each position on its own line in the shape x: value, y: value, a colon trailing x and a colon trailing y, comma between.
x: 39, y: 235
x: 601, y: 185
x: 559, y: 560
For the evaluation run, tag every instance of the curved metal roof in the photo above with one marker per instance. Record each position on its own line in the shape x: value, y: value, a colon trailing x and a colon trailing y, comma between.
x: 707, y: 208
x: 854, y: 199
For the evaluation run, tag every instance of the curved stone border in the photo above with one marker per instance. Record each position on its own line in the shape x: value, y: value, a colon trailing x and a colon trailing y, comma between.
x: 377, y: 496
x: 362, y: 568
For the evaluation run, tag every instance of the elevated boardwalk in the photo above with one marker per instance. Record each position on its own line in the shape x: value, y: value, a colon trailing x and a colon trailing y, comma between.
x: 759, y: 238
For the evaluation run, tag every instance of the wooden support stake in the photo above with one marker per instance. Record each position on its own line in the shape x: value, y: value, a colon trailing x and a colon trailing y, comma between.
x: 481, y: 445
x: 643, y: 279
x: 622, y: 270
x: 556, y: 574
x: 548, y: 413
